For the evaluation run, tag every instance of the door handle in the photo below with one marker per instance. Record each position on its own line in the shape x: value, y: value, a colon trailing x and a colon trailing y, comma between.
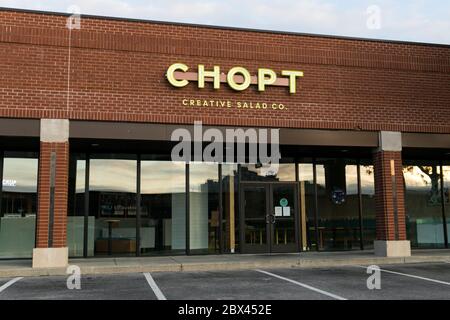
x: 272, y: 219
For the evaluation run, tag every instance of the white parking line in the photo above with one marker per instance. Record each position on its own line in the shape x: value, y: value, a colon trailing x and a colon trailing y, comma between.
x: 411, y: 276
x: 303, y: 285
x: 9, y: 283
x: 154, y: 286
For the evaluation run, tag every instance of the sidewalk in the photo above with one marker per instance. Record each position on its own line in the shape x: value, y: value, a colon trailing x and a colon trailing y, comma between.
x: 16, y: 268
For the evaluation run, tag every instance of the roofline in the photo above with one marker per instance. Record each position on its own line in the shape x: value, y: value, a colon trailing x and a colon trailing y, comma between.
x: 185, y: 24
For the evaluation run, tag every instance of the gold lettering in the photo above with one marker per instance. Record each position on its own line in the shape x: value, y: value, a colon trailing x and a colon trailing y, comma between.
x: 240, y: 104
x: 170, y: 74
x: 263, y: 81
x: 265, y: 77
x: 238, y: 86
x: 215, y: 74
x: 292, y: 74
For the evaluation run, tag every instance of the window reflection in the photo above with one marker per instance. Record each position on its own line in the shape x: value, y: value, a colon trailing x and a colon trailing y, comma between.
x: 76, y: 210
x: 254, y: 172
x: 163, y: 222
x: 423, y: 204
x: 112, y: 220
x: 368, y: 205
x: 230, y: 220
x: 446, y: 175
x: 338, y: 204
x: 306, y: 190
x: 204, y: 220
x: 19, y: 205
x: 255, y: 224
x: 112, y: 201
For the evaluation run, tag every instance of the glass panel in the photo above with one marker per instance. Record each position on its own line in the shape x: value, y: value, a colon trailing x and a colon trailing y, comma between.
x: 255, y: 216
x: 163, y: 207
x: 253, y: 172
x: 112, y: 202
x: 75, y: 218
x: 230, y: 220
x: 368, y: 205
x: 306, y: 190
x: 284, y: 211
x: 446, y: 174
x: 19, y: 204
x: 423, y: 204
x: 204, y: 223
x: 338, y: 204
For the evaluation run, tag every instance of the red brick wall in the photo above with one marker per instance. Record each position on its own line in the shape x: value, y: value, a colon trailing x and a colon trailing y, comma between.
x: 117, y: 73
x: 60, y: 197
x: 384, y: 200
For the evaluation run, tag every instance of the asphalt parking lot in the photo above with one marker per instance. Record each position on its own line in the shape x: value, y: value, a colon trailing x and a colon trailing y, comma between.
x: 398, y: 282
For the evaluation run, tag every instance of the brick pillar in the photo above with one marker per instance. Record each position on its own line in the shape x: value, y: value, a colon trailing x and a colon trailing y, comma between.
x: 51, y: 225
x: 389, y: 198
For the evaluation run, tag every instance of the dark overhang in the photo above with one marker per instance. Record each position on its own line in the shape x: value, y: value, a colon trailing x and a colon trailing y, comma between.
x: 162, y: 132
x: 10, y: 127
x: 426, y: 140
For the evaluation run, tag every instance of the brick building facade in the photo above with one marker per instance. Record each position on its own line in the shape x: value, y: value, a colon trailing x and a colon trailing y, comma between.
x: 65, y: 91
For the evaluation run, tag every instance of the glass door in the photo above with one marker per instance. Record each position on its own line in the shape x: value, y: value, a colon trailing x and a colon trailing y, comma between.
x: 283, y: 211
x: 269, y: 215
x: 255, y: 231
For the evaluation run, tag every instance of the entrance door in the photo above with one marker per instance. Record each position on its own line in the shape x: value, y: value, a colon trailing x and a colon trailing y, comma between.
x: 269, y: 215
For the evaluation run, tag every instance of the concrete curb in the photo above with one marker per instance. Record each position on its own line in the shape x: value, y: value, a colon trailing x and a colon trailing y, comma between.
x: 226, y: 265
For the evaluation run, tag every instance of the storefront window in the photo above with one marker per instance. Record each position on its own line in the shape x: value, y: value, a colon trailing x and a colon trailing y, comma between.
x: 423, y: 204
x: 204, y: 223
x: 230, y: 218
x: 113, y: 227
x: 76, y: 210
x: 18, y: 205
x: 163, y: 203
x: 368, y: 204
x: 112, y: 202
x: 338, y: 204
x: 306, y: 190
x: 446, y: 174
x: 280, y: 172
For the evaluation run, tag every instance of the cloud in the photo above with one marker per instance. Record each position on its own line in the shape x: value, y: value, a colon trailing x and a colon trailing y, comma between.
x: 414, y: 23
x: 416, y: 20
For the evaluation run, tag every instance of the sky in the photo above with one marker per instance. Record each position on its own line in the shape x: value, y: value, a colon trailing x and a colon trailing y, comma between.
x: 413, y: 20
